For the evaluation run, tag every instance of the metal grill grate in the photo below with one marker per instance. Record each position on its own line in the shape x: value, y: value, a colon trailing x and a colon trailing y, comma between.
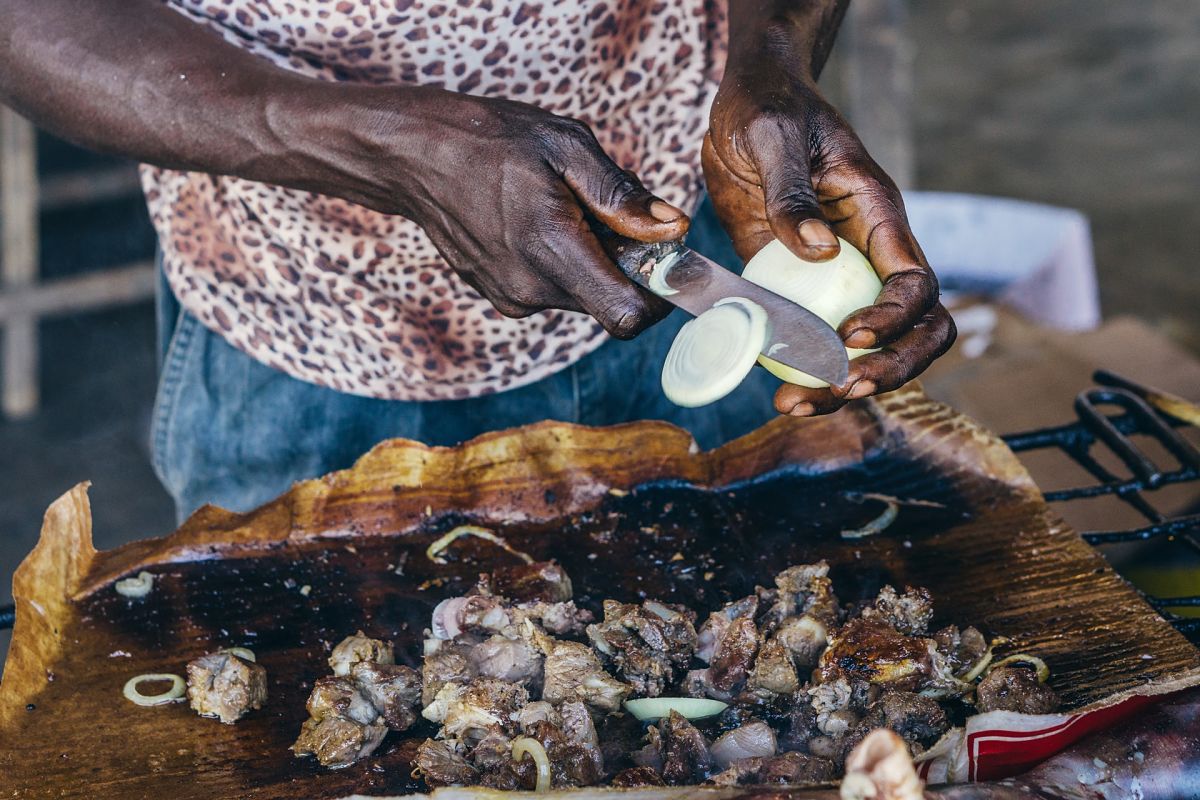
x: 1141, y: 411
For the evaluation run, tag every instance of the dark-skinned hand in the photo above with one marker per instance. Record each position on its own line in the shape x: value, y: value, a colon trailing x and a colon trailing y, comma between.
x: 780, y: 162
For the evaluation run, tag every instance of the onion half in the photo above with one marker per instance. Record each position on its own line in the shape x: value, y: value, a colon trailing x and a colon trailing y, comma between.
x: 830, y: 289
x: 652, y: 708
x: 712, y: 353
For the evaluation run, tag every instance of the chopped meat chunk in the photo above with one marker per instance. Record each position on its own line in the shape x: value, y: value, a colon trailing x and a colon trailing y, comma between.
x: 648, y: 644
x: 493, y: 751
x: 339, y: 697
x: 773, y: 669
x: 441, y: 763
x: 960, y: 649
x: 918, y: 720
x: 338, y: 741
x: 873, y: 651
x: 469, y: 712
x: 543, y: 581
x: 560, y: 619
x: 474, y: 614
x: 786, y: 769
x: 571, y: 764
x: 718, y: 622
x: 225, y: 686
x: 802, y: 723
x: 636, y: 776
x: 512, y: 660
x: 909, y: 613
x: 572, y: 672
x: 537, y: 711
x: 359, y: 647
x: 805, y: 637
x: 734, y: 653
x: 577, y: 725
x: 394, y: 691
x: 684, y: 751
x: 802, y: 589
x: 445, y: 662
x: 1014, y: 687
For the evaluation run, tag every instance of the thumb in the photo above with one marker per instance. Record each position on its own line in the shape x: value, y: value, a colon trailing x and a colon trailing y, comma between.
x: 793, y: 211
x: 618, y: 199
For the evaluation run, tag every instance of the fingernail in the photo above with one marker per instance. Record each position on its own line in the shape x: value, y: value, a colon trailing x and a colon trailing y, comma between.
x: 860, y: 337
x: 816, y: 234
x: 861, y: 389
x: 664, y: 211
x: 802, y: 410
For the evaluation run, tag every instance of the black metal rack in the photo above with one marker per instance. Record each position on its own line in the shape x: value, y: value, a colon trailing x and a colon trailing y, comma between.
x: 1078, y: 440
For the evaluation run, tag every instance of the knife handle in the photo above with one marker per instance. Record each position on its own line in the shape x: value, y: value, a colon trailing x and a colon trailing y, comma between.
x: 636, y: 259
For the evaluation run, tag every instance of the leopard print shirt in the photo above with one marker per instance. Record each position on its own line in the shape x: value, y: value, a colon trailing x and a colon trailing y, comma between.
x: 361, y: 302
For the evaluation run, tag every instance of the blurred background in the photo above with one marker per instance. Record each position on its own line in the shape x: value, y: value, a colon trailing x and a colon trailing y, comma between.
x: 1091, y: 105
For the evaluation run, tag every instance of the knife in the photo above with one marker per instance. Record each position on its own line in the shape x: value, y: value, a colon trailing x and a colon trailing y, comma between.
x: 681, y: 276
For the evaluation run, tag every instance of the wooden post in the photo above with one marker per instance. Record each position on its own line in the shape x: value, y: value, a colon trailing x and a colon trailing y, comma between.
x: 878, y: 83
x: 18, y: 260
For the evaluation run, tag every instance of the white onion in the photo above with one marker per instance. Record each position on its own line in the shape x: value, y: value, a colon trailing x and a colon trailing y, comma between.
x: 523, y: 745
x: 137, y: 587
x: 652, y: 708
x: 433, y: 552
x: 712, y: 353
x: 1043, y: 671
x: 244, y: 653
x: 750, y: 740
x: 174, y: 694
x: 831, y: 289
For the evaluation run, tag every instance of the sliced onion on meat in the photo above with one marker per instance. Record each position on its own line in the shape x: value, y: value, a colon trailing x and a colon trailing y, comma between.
x: 750, y: 740
x: 830, y: 289
x: 652, y: 708
x: 172, y: 695
x: 714, y: 352
x: 1043, y: 671
x: 524, y: 745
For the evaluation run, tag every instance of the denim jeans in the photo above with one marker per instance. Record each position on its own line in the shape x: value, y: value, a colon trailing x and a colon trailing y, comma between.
x: 229, y: 430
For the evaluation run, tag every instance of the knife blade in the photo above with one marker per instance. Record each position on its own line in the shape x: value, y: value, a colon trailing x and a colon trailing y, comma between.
x: 681, y: 276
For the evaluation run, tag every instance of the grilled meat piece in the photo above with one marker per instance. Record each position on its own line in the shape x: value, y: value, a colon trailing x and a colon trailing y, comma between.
x: 476, y: 614
x: 732, y: 658
x: 961, y: 649
x: 685, y: 754
x: 621, y: 737
x: 394, y: 691
x: 636, y: 776
x: 512, y: 660
x: 784, y: 769
x: 572, y: 672
x: 909, y: 613
x: 802, y: 723
x: 441, y: 763
x: 445, y: 662
x: 543, y: 581
x: 338, y: 741
x: 560, y: 619
x: 577, y: 725
x: 537, y: 711
x: 359, y: 647
x: 1015, y: 687
x: 773, y: 669
x: 918, y: 720
x: 332, y: 696
x: 799, y: 590
x: 571, y: 764
x: 805, y: 638
x: 493, y: 751
x: 469, y: 712
x: 871, y: 650
x: 648, y: 644
x: 717, y: 624
x: 225, y: 686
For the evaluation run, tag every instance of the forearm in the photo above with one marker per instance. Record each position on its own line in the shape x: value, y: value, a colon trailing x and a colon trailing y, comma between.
x: 135, y: 78
x: 797, y: 35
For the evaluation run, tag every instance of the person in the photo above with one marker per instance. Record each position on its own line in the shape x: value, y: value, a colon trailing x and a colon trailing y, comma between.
x: 375, y: 215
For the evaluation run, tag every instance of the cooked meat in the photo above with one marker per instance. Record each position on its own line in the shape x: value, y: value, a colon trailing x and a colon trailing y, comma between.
x: 577, y: 725
x: 469, y: 712
x: 512, y: 660
x: 961, y: 649
x: 492, y: 751
x: 338, y: 741
x: 1015, y: 687
x: 786, y: 769
x: 441, y: 763
x: 511, y: 776
x: 718, y: 622
x: 684, y: 751
x: 571, y: 764
x: 802, y: 723
x: 918, y: 720
x: 636, y: 776
x: 621, y: 735
x: 802, y: 589
x: 475, y: 614
x: 871, y: 650
x: 648, y: 644
x: 359, y: 647
x: 543, y: 581
x: 805, y: 637
x: 225, y: 686
x: 573, y: 672
x: 750, y: 740
x: 445, y: 662
x: 909, y: 613
x: 732, y: 657
x: 560, y: 619
x: 537, y: 711
x: 393, y: 690
x: 339, y: 697
x: 773, y: 670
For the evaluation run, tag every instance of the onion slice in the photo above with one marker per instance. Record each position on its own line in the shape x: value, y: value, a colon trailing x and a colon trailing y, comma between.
x: 433, y: 552
x: 524, y: 745
x: 172, y: 695
x: 712, y: 353
x: 652, y: 708
x: 136, y: 587
x: 1043, y: 671
x: 244, y: 653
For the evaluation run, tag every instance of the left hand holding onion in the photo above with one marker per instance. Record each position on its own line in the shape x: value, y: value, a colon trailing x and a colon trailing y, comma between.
x: 781, y: 163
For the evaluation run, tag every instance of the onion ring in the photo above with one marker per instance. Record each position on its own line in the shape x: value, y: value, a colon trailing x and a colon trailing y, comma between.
x: 172, y: 695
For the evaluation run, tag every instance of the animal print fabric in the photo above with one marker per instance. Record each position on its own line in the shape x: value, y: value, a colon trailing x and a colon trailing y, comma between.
x: 361, y: 302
